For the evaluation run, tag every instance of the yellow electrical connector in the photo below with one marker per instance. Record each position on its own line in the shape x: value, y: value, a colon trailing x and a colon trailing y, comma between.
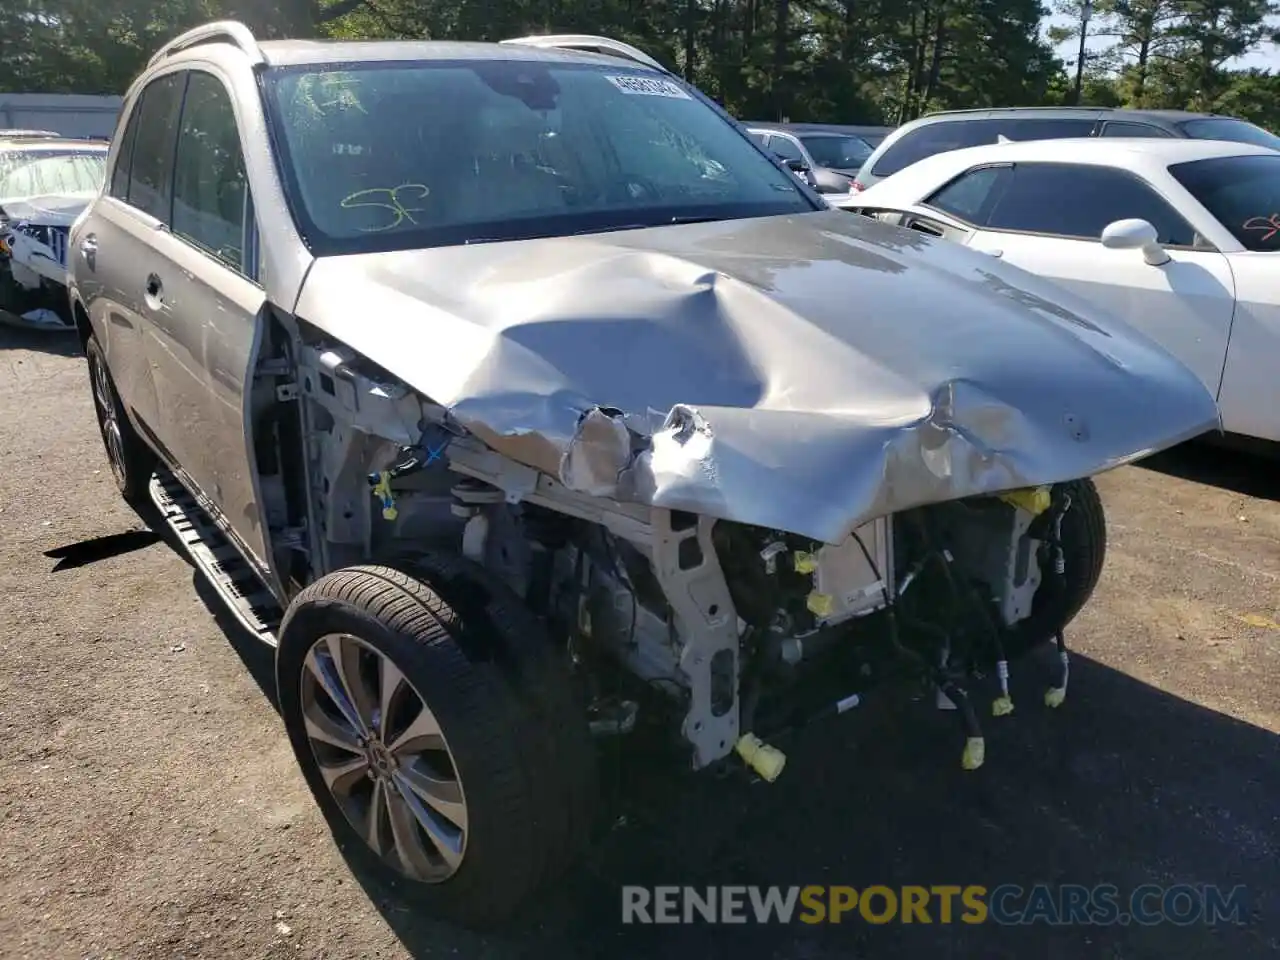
x: 1055, y: 696
x: 804, y: 562
x: 759, y: 756
x: 382, y: 490
x: 1002, y: 706
x: 820, y: 604
x: 1034, y: 500
x: 975, y: 752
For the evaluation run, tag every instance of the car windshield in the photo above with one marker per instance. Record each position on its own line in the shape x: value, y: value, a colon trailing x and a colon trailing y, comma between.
x: 1225, y: 128
x: 838, y: 153
x: 1243, y: 193
x: 400, y: 155
x: 32, y: 173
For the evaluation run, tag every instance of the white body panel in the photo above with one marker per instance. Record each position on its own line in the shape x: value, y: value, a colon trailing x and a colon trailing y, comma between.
x: 1216, y: 309
x: 1184, y: 305
x: 1250, y: 393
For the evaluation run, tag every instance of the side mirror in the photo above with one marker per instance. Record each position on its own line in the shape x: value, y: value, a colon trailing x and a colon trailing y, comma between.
x: 1135, y: 235
x: 796, y: 166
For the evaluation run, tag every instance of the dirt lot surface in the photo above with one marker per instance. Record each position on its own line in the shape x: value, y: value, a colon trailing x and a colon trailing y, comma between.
x: 150, y: 806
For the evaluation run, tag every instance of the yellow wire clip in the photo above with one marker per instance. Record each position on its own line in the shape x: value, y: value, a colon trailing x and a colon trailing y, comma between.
x: 820, y: 604
x: 975, y: 753
x: 382, y: 490
x: 759, y: 756
x: 1034, y: 500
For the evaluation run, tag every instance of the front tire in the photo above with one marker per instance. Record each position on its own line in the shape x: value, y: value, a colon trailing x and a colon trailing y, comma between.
x: 130, y: 459
x: 1084, y: 548
x: 438, y: 732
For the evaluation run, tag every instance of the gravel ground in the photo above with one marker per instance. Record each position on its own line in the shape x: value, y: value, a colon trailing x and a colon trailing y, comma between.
x: 150, y: 806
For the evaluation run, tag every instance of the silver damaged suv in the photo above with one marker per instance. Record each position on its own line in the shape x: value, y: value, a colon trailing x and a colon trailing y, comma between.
x: 512, y: 393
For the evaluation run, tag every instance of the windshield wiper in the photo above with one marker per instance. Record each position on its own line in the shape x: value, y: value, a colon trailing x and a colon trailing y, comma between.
x: 695, y: 219
x: 610, y: 228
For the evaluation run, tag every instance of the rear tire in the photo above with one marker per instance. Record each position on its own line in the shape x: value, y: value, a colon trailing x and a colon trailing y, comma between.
x: 1084, y: 548
x: 132, y: 462
x: 516, y: 740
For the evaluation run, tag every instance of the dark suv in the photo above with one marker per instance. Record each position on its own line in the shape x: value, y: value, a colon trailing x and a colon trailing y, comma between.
x: 940, y: 132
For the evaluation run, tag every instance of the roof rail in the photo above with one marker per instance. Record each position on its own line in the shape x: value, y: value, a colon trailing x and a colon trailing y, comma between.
x: 226, y: 31
x: 591, y: 44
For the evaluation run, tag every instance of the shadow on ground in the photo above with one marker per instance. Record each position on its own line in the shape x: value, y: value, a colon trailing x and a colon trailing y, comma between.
x: 85, y: 552
x: 57, y: 342
x: 1252, y: 470
x: 1124, y: 785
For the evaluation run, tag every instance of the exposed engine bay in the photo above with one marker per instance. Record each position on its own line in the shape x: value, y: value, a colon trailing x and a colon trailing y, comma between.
x: 719, y: 617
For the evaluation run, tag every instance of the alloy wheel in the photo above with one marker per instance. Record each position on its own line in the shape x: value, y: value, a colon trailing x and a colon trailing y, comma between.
x: 108, y: 422
x: 384, y: 758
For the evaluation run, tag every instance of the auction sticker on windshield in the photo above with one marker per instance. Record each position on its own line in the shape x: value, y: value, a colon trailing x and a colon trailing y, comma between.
x: 649, y: 87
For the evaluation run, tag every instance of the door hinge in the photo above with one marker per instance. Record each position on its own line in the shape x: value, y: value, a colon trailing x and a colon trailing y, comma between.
x: 292, y: 538
x: 275, y: 367
x: 286, y: 392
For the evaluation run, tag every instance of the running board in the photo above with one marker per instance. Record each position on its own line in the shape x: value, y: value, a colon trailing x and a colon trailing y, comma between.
x: 236, y: 583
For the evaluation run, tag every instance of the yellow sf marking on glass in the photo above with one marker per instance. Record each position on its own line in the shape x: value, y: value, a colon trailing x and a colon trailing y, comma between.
x: 390, y: 201
x: 344, y: 91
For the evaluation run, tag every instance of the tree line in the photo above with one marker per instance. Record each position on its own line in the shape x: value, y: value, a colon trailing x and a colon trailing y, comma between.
x: 846, y: 61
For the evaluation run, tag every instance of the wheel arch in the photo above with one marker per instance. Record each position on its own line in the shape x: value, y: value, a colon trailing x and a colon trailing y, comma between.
x: 80, y: 315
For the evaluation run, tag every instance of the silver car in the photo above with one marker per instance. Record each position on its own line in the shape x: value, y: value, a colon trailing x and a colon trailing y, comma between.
x: 45, y: 183
x: 513, y: 395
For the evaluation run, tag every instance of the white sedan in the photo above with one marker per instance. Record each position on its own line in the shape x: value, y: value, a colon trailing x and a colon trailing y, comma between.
x: 1181, y: 238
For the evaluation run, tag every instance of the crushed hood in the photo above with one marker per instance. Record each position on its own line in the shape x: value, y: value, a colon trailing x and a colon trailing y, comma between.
x: 806, y: 373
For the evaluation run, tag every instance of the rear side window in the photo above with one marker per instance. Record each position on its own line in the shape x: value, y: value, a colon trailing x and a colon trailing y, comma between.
x: 956, y: 134
x: 210, y: 189
x: 933, y: 138
x: 1126, y: 128
x: 149, y: 174
x: 124, y: 157
x: 968, y: 196
x: 1079, y: 201
x: 1046, y: 129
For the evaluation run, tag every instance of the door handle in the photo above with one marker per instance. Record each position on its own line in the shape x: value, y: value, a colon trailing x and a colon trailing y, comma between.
x: 991, y: 253
x: 89, y: 250
x: 154, y: 290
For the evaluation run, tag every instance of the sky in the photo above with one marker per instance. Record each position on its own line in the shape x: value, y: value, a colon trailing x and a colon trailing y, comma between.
x: 1266, y: 57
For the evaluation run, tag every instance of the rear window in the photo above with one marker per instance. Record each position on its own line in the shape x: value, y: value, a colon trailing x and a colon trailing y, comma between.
x: 838, y: 153
x: 1243, y: 193
x: 957, y: 134
x: 1225, y: 128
